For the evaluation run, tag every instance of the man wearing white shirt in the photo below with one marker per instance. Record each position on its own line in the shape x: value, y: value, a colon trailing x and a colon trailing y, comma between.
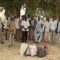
x: 17, y: 24
x: 25, y: 28
x: 53, y: 25
x: 47, y: 33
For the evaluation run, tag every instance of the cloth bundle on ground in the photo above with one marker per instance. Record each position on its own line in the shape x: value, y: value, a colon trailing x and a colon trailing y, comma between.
x: 23, y: 48
x: 31, y: 51
x: 42, y: 52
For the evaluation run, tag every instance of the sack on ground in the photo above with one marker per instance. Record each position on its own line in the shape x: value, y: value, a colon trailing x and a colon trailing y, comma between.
x: 41, y: 52
x: 32, y: 50
x: 23, y: 48
x: 27, y: 52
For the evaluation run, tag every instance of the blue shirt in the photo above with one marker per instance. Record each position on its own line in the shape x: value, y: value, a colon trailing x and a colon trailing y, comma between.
x: 38, y: 27
x: 58, y: 26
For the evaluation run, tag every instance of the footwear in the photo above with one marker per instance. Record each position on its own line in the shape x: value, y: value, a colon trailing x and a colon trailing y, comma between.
x: 9, y: 46
x: 2, y: 42
x: 36, y: 42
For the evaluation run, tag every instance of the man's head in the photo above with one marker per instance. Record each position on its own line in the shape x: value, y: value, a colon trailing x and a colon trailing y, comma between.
x: 44, y: 18
x: 47, y: 19
x: 38, y: 18
x: 12, y: 18
x: 25, y: 18
x: 51, y: 19
x: 32, y: 18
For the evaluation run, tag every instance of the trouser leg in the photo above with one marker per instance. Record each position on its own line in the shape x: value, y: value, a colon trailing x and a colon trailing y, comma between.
x: 26, y: 33
x: 23, y: 34
x: 36, y: 36
x: 58, y: 38
x: 48, y: 37
x: 54, y: 37
x: 40, y: 34
x: 10, y: 38
x: 6, y: 34
x: 45, y: 36
x: 32, y: 34
x: 1, y: 37
x: 17, y: 34
x: 51, y: 36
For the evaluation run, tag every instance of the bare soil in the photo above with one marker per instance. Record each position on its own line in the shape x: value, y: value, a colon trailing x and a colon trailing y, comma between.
x: 12, y: 53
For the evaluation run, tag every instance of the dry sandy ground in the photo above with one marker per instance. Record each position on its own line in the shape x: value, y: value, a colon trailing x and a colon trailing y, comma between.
x: 12, y: 53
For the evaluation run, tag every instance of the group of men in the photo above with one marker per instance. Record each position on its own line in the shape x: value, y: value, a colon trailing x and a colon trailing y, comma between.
x: 36, y: 28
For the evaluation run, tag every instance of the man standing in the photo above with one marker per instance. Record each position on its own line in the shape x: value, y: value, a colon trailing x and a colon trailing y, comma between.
x: 39, y: 31
x: 17, y: 24
x: 11, y: 30
x: 32, y: 28
x: 1, y: 37
x: 25, y: 28
x: 53, y: 25
x: 58, y: 31
x: 47, y: 33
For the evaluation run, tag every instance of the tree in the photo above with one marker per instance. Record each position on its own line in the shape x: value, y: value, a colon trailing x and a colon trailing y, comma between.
x: 48, y: 6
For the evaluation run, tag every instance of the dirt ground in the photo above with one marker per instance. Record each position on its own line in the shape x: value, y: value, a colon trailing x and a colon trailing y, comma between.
x: 12, y: 53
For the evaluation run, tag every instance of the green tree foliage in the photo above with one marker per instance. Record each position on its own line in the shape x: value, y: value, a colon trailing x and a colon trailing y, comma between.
x: 13, y: 6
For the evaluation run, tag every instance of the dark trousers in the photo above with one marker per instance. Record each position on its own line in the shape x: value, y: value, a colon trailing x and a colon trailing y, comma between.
x: 5, y: 33
x: 24, y: 36
x: 18, y: 34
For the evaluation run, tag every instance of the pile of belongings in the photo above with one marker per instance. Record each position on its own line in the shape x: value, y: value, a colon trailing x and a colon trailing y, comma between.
x: 32, y: 50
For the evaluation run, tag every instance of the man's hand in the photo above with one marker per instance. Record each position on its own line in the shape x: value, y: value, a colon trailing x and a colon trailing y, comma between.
x: 25, y: 28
